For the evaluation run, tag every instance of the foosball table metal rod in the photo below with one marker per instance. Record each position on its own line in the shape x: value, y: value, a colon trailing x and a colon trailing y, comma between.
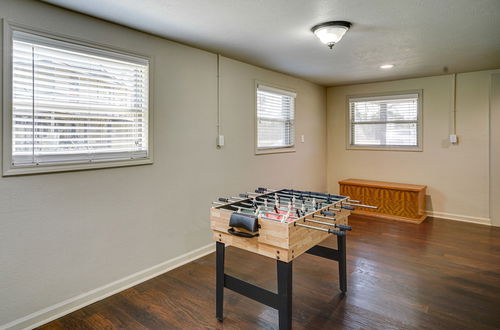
x: 298, y: 196
x: 341, y: 227
x: 275, y: 219
x: 252, y: 211
x: 271, y: 206
x: 303, y: 194
x: 362, y: 205
x: 321, y: 222
x: 250, y: 193
x: 229, y: 200
x: 307, y: 204
x: 325, y: 197
x: 323, y: 217
x: 280, y: 214
x: 281, y: 204
x: 241, y: 208
x: 326, y: 230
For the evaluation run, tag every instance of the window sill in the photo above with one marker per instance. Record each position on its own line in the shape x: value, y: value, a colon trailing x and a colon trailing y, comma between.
x: 268, y: 151
x: 384, y: 148
x: 41, y: 169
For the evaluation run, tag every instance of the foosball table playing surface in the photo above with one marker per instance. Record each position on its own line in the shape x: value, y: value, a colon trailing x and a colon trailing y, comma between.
x: 279, y: 224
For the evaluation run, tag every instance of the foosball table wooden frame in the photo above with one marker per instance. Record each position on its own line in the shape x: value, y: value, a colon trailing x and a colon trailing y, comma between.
x: 279, y: 224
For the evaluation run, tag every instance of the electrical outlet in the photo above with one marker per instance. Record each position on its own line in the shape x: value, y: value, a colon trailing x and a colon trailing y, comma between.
x: 453, y: 139
x: 302, y: 138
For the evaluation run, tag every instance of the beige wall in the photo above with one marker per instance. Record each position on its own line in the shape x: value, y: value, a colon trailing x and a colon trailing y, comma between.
x: 64, y: 234
x: 457, y: 176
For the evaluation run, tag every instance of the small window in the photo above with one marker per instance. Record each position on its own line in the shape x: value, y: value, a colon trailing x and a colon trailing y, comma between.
x: 389, y: 122
x: 73, y: 104
x: 275, y: 119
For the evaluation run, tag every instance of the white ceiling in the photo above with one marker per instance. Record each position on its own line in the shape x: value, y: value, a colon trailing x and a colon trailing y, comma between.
x: 419, y: 37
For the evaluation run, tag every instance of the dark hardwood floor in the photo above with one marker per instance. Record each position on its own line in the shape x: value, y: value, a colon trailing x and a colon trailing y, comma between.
x: 438, y: 275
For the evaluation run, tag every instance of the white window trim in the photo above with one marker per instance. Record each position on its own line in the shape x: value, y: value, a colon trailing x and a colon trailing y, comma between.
x: 6, y: 129
x: 418, y: 147
x: 278, y: 89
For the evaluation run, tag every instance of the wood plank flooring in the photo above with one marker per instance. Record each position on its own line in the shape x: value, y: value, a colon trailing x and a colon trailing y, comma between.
x: 440, y: 274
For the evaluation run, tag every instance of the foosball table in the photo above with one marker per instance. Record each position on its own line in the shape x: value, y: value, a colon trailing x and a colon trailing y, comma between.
x: 279, y: 224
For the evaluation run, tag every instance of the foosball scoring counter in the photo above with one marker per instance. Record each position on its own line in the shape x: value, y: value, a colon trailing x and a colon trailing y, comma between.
x: 279, y: 224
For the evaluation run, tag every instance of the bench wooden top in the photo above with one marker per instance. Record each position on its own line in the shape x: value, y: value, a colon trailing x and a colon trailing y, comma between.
x: 383, y: 184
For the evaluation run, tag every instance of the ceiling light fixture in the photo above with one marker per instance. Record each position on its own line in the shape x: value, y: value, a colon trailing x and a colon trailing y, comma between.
x: 387, y: 66
x: 330, y: 33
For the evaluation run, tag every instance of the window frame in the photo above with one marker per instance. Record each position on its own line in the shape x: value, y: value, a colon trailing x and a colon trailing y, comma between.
x: 418, y: 147
x: 273, y: 150
x: 8, y: 169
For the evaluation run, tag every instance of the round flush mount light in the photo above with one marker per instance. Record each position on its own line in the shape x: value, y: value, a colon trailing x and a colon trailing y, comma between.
x: 387, y: 66
x: 330, y: 33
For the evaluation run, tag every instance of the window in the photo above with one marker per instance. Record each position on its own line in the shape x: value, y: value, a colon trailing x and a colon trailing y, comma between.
x: 385, y: 122
x: 275, y: 119
x: 73, y: 104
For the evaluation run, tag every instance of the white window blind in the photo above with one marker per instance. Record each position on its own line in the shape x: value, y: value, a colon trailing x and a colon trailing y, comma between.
x: 385, y: 120
x: 275, y: 118
x: 73, y: 103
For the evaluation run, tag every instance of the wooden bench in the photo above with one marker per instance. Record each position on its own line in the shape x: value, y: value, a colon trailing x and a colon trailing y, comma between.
x: 396, y: 201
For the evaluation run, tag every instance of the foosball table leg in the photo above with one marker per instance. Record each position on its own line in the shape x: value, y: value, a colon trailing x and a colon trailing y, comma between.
x: 285, y: 294
x: 341, y: 247
x: 219, y: 294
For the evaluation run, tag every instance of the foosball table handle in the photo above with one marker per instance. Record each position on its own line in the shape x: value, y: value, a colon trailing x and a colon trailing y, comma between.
x: 344, y: 227
x: 337, y: 232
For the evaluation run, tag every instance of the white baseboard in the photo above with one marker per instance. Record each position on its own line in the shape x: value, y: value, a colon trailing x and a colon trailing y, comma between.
x: 459, y: 217
x: 67, y: 306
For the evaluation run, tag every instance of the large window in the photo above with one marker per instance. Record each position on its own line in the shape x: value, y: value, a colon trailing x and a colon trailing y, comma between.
x: 275, y: 119
x: 73, y: 104
x: 385, y: 122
